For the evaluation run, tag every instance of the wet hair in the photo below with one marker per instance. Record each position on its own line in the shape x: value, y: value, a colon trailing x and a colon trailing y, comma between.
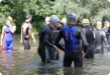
x: 28, y: 16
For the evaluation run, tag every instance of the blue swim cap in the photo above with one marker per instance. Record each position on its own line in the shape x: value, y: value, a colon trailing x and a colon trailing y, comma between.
x: 72, y: 16
x: 54, y: 19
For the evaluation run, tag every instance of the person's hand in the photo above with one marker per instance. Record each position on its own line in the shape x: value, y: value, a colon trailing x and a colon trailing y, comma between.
x: 56, y: 48
x: 34, y: 41
x: 83, y: 54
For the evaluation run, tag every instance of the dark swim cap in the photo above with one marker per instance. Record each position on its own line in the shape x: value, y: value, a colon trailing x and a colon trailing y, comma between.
x: 54, y: 19
x: 72, y: 16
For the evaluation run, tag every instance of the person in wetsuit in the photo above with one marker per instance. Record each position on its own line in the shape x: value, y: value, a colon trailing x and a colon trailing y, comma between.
x: 46, y: 39
x: 26, y: 31
x: 8, y: 30
x: 100, y: 38
x: 106, y: 29
x: 72, y: 36
x: 89, y: 33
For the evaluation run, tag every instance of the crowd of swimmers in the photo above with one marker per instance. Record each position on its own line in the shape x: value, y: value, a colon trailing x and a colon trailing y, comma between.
x: 77, y: 42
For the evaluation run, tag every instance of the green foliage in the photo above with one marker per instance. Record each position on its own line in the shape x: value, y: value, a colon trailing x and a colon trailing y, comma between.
x: 92, y: 9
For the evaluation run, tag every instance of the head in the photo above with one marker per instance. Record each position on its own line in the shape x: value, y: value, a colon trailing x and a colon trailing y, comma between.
x: 28, y: 18
x: 64, y: 21
x: 9, y: 20
x: 54, y: 21
x: 72, y: 18
x: 85, y: 22
x: 47, y: 20
x: 99, y: 25
x: 106, y: 24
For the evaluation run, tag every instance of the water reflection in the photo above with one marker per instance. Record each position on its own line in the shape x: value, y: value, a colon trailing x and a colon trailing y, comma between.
x: 20, y: 62
x: 7, y: 61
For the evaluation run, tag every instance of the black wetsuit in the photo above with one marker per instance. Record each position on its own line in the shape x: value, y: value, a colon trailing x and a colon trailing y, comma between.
x: 107, y: 32
x: 90, y: 38
x: 46, y: 43
x: 100, y: 39
x: 72, y: 36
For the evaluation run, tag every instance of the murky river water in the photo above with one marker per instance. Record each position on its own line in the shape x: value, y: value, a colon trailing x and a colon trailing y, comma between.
x: 20, y: 62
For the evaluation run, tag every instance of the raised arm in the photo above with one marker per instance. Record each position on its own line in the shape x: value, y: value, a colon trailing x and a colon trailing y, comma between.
x: 13, y: 29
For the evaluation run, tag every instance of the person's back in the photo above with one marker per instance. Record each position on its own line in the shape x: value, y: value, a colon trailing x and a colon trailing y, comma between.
x: 72, y: 39
x: 99, y: 41
x: 72, y: 35
x: 89, y: 34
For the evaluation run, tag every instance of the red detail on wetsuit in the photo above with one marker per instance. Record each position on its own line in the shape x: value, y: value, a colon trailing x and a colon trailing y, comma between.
x: 3, y: 46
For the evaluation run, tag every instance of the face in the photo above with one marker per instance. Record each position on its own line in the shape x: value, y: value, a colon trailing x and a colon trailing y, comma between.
x: 28, y: 19
x: 8, y: 21
x: 99, y: 26
x: 56, y: 24
x: 72, y: 21
x: 107, y: 24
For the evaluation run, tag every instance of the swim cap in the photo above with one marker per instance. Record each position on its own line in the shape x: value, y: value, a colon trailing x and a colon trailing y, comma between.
x: 10, y: 19
x: 54, y: 19
x: 85, y: 21
x: 72, y: 16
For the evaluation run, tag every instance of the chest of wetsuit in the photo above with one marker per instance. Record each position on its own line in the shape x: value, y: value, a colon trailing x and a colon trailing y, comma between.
x: 46, y: 36
x: 8, y: 34
x: 71, y: 38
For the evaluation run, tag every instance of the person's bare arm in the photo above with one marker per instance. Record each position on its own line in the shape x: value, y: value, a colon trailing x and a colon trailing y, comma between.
x: 13, y: 29
x: 2, y: 34
x: 32, y: 35
x: 30, y: 30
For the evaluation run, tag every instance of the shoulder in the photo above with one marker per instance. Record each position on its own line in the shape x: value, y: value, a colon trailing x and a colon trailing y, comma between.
x: 79, y: 29
x: 102, y: 32
x: 14, y: 26
x: 24, y: 24
x: 4, y: 27
x: 30, y: 25
x: 64, y: 27
x: 46, y: 29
